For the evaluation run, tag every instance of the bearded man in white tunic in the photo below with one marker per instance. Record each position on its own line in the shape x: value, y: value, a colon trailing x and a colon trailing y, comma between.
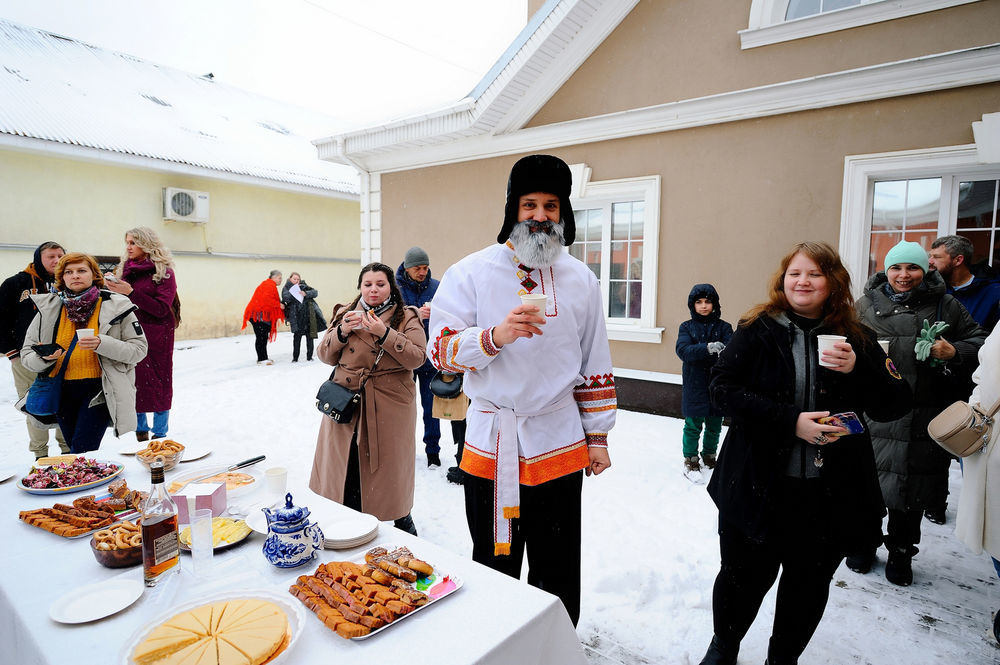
x: 540, y: 381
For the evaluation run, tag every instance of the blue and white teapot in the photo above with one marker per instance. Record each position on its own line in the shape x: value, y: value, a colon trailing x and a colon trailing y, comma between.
x: 291, y: 539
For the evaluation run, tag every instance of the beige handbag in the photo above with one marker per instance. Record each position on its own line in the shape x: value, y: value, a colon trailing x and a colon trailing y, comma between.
x: 963, y: 429
x: 450, y: 408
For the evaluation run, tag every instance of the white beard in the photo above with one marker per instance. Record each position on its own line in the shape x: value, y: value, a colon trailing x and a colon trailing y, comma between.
x: 539, y: 249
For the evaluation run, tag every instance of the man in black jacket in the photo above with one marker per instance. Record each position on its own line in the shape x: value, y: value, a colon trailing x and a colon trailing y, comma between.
x: 16, y: 313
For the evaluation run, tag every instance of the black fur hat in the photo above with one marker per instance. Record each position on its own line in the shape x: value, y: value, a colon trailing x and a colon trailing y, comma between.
x: 539, y: 173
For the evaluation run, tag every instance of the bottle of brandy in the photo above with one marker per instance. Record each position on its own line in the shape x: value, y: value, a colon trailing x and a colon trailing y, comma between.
x: 160, y: 551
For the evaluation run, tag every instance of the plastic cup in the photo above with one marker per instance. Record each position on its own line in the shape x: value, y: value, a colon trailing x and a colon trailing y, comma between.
x: 825, y: 343
x: 84, y: 332
x: 202, y: 549
x: 884, y: 343
x: 276, y: 481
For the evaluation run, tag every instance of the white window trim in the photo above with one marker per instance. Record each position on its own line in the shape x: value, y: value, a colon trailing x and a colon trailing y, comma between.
x: 646, y: 189
x: 860, y: 174
x: 768, y: 25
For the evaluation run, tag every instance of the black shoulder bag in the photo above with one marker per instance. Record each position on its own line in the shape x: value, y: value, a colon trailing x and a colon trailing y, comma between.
x: 339, y: 402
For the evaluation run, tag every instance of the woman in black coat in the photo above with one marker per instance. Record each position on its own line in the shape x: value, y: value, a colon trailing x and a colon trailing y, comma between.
x: 304, y: 317
x: 793, y: 492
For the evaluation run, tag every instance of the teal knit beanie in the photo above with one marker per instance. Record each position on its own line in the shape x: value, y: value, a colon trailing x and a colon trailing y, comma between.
x: 907, y: 252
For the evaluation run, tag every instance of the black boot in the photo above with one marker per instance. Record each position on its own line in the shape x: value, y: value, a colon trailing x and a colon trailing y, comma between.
x: 433, y: 459
x: 899, y: 568
x: 861, y: 563
x: 719, y: 654
x: 456, y: 475
x: 406, y: 524
x: 936, y: 514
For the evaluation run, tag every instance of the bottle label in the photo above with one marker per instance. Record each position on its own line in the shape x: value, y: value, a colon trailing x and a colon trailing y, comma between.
x: 165, y: 548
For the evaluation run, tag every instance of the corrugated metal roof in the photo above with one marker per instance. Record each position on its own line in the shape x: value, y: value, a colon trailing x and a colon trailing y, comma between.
x: 62, y: 90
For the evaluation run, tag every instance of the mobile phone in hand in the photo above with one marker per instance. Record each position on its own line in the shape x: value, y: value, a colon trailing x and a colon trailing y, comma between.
x: 848, y: 420
x: 45, y: 349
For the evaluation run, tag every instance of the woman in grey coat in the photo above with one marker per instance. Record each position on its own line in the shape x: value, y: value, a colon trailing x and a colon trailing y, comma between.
x: 913, y: 469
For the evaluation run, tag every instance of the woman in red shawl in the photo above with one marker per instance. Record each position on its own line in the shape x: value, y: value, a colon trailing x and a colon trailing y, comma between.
x: 263, y: 312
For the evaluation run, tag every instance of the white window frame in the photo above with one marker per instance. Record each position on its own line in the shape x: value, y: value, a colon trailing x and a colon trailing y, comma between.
x: 952, y: 164
x: 768, y: 25
x: 587, y: 194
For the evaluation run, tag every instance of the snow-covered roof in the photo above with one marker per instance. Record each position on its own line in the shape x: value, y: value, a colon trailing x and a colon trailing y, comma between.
x: 558, y: 39
x: 69, y: 93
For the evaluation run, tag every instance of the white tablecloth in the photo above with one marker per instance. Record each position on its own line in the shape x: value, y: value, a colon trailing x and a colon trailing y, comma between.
x: 491, y: 619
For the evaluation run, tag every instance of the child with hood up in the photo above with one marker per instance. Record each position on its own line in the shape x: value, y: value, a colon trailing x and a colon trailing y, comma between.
x: 699, y: 342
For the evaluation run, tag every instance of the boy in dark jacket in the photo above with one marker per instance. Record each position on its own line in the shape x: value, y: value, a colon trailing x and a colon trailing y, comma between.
x: 699, y: 342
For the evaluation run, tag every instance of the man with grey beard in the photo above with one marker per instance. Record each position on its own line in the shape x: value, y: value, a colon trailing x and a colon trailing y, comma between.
x: 539, y: 377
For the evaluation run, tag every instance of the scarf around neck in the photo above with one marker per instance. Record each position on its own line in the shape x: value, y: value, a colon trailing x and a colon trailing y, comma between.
x: 79, y: 306
x: 377, y: 309
x: 903, y: 296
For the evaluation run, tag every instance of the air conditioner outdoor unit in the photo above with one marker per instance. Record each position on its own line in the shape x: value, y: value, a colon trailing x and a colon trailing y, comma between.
x: 185, y: 205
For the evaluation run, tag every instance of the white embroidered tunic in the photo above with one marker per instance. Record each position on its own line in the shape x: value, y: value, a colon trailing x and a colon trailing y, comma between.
x: 548, y: 397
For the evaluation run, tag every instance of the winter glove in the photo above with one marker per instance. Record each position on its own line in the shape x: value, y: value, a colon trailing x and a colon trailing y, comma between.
x: 715, y: 347
x: 926, y: 340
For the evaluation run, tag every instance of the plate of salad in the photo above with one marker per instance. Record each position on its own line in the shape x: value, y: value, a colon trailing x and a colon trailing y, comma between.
x: 81, y: 474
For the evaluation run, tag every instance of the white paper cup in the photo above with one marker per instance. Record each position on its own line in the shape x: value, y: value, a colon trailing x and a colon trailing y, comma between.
x: 84, y: 332
x: 276, y: 481
x: 202, y: 549
x: 884, y: 343
x: 539, y: 300
x: 825, y: 343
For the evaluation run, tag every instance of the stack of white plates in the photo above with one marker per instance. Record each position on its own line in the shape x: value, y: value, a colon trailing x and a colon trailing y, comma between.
x: 339, y: 533
x: 354, y: 531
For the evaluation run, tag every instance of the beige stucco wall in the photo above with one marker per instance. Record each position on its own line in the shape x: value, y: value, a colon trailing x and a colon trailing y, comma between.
x: 734, y: 197
x: 685, y: 49
x: 88, y: 206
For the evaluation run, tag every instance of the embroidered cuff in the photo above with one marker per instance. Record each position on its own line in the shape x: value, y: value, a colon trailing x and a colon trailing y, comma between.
x: 486, y: 342
x: 597, y: 439
x: 13, y: 353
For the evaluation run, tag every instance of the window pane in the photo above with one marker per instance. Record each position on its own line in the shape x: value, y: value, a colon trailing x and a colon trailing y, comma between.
x: 621, y: 219
x: 635, y: 300
x: 635, y: 261
x: 800, y: 8
x: 830, y: 5
x: 889, y: 205
x: 638, y: 218
x: 880, y: 246
x: 923, y: 238
x: 616, y: 301
x: 923, y: 203
x: 576, y: 250
x: 619, y: 259
x: 981, y: 245
x: 977, y: 204
x: 593, y: 258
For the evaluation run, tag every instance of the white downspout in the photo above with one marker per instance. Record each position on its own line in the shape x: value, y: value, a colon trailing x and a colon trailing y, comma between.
x: 369, y: 183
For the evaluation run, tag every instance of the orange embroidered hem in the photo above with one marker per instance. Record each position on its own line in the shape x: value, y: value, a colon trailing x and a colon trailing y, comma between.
x: 535, y: 471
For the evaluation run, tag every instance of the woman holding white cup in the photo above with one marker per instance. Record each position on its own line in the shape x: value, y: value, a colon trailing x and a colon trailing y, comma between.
x: 98, y: 338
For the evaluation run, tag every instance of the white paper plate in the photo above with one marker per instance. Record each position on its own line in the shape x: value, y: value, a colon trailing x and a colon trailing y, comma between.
x: 349, y: 529
x: 96, y: 601
x: 8, y: 472
x: 294, y: 610
x: 195, y: 452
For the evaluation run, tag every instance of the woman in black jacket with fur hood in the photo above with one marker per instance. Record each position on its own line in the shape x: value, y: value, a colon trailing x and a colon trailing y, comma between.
x: 793, y: 492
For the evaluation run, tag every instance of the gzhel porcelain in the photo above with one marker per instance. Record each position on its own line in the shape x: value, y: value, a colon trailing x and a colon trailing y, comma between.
x: 291, y: 539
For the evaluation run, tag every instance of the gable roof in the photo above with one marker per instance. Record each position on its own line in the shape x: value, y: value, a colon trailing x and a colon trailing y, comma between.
x: 556, y: 41
x: 491, y: 120
x: 66, y: 97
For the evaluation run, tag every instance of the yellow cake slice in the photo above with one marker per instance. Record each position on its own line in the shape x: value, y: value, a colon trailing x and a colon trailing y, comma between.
x: 189, y: 655
x: 235, y: 610
x: 154, y: 649
x: 187, y: 621
x: 257, y: 610
x: 218, y: 610
x: 227, y: 654
x: 203, y: 615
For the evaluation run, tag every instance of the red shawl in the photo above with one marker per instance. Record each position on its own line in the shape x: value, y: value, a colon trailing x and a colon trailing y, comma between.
x: 265, y: 305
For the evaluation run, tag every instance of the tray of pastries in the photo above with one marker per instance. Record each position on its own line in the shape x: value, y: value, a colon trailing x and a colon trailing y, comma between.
x: 359, y: 599
x: 86, y: 514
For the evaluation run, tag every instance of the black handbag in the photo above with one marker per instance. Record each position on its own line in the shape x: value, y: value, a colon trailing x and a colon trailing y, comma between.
x: 338, y: 402
x: 43, y: 395
x: 445, y: 384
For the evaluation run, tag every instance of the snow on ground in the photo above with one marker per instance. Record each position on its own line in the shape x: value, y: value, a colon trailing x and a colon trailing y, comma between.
x: 650, y: 547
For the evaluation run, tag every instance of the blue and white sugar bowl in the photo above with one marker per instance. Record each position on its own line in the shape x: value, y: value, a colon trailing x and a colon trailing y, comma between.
x: 292, y: 539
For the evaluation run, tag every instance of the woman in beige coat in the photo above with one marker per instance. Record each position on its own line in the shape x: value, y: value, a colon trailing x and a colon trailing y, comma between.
x: 368, y: 463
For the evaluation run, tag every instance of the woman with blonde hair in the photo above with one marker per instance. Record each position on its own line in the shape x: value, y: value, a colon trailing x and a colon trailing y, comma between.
x: 99, y: 343
x: 795, y: 493
x: 146, y: 276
